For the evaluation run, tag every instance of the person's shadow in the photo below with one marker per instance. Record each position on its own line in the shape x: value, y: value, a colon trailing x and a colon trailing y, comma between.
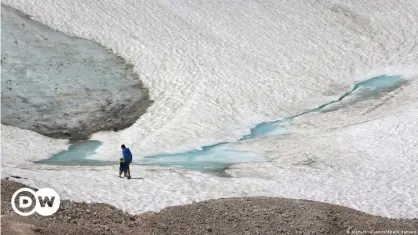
x: 132, y: 178
x: 136, y: 178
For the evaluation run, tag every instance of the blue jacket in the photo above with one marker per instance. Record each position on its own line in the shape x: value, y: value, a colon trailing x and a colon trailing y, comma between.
x: 127, y: 155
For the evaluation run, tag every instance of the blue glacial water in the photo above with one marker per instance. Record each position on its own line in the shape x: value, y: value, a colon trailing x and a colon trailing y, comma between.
x: 367, y: 89
x: 77, y: 155
x: 207, y: 159
x: 217, y: 157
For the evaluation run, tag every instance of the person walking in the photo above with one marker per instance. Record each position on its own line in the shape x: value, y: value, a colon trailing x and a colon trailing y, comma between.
x: 127, y: 157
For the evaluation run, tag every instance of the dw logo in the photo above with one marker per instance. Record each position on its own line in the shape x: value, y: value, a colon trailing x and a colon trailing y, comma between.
x: 47, y: 202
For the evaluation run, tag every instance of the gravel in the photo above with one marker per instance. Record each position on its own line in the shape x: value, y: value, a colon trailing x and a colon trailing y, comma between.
x: 71, y: 218
x: 255, y: 215
x: 263, y: 215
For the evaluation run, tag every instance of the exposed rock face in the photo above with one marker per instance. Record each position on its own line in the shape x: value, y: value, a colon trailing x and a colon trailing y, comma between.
x: 62, y: 86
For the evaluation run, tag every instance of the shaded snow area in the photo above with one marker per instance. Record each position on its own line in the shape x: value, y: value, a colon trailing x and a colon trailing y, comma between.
x: 63, y: 86
x: 302, y: 99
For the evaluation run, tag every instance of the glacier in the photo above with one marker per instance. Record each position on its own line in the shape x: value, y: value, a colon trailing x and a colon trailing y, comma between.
x: 215, y: 70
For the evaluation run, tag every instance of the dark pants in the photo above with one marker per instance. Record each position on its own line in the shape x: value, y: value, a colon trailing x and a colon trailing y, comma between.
x: 124, y: 167
x: 127, y: 169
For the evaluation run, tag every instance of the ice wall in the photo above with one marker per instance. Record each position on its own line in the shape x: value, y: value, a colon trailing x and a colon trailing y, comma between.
x: 62, y: 86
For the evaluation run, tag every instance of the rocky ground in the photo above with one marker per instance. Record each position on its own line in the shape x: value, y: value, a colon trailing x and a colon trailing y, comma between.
x: 258, y: 215
x: 71, y: 218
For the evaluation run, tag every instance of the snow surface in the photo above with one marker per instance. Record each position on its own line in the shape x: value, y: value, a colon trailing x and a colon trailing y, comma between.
x: 216, y: 69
